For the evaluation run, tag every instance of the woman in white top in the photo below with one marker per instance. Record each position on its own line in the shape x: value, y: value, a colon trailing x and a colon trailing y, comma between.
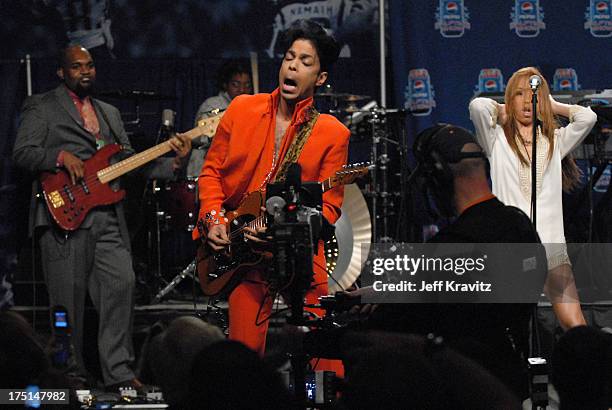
x: 505, y: 133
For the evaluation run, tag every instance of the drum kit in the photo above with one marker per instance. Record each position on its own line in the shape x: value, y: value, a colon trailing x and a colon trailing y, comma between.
x: 370, y: 213
x: 178, y: 204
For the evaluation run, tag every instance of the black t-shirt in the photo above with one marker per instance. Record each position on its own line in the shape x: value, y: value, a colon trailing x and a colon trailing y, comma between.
x: 489, y: 222
x: 495, y: 335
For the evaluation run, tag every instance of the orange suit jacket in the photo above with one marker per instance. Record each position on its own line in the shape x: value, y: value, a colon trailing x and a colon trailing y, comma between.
x: 242, y: 155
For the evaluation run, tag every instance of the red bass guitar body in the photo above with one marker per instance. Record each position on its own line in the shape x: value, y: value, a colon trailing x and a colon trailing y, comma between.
x: 70, y: 203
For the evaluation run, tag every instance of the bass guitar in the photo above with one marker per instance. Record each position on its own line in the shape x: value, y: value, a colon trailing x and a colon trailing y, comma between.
x: 220, y: 272
x: 70, y: 203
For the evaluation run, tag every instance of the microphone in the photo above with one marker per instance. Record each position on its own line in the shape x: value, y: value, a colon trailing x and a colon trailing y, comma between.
x: 168, y: 120
x: 534, y: 82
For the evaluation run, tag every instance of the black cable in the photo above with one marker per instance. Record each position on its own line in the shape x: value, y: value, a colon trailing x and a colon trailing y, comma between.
x: 261, y: 305
x: 193, y: 290
x: 313, y: 367
x: 34, y: 279
x: 331, y: 276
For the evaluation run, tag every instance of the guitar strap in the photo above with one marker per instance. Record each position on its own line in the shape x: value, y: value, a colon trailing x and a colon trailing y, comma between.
x: 294, y: 151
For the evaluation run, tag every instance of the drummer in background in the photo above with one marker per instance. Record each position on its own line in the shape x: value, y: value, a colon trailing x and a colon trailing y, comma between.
x: 233, y: 79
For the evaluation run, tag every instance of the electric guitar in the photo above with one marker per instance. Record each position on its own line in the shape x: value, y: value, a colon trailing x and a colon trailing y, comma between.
x: 70, y: 203
x: 220, y: 272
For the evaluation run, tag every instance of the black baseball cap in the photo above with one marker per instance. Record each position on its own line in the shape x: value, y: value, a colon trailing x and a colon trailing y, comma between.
x: 447, y: 140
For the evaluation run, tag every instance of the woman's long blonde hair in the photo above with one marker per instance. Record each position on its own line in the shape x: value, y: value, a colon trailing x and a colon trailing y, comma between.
x: 548, y: 123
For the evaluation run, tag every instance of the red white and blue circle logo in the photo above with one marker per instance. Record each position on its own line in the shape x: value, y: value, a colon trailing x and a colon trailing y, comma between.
x: 565, y: 79
x: 599, y: 18
x: 419, y: 94
x: 527, y: 18
x: 490, y: 80
x: 602, y: 7
x: 527, y: 7
x: 452, y: 18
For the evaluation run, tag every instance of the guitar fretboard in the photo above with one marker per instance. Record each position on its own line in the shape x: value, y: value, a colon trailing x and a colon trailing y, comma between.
x: 258, y: 222
x: 116, y: 170
x: 327, y: 184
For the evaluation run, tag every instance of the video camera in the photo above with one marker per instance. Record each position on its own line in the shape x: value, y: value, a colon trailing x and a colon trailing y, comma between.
x: 294, y: 219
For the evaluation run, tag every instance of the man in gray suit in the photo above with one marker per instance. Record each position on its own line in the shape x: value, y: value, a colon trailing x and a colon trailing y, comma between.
x: 60, y: 129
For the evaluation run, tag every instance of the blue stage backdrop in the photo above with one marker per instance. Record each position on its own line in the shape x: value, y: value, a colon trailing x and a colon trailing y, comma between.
x: 179, y: 28
x: 446, y: 51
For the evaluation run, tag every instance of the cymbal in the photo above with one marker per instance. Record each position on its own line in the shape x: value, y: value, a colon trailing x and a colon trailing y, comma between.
x: 342, y: 96
x: 353, y: 229
x: 354, y: 98
x: 351, y: 108
x: 135, y: 95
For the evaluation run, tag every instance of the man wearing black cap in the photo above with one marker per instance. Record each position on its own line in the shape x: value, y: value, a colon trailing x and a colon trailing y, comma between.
x: 495, y: 335
x: 453, y: 169
x: 456, y: 176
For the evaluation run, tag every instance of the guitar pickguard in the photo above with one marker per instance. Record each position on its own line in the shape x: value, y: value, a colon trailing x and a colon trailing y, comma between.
x: 239, y: 253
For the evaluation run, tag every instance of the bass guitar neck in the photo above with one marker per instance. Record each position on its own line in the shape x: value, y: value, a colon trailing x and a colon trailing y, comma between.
x: 70, y: 203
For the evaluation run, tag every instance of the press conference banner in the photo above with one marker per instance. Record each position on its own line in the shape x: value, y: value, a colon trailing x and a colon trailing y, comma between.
x: 181, y: 28
x: 446, y: 51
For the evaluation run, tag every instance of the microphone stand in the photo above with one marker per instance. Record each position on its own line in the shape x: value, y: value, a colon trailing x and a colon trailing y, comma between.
x: 534, y: 113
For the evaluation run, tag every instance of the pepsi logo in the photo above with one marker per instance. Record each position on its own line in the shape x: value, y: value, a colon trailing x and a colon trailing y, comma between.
x: 418, y: 85
x: 601, y: 7
x: 452, y: 7
x: 490, y: 85
x: 565, y: 84
x: 527, y: 7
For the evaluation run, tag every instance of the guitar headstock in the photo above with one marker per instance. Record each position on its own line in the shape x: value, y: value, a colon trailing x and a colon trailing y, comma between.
x: 208, y: 125
x: 349, y: 174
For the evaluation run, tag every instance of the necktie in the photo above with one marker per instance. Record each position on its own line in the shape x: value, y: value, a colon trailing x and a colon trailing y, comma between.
x: 90, y: 121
